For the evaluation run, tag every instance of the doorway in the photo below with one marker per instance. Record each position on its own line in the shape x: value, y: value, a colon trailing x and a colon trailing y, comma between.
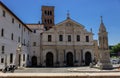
x: 88, y: 58
x: 69, y: 59
x: 49, y: 59
x: 34, y: 61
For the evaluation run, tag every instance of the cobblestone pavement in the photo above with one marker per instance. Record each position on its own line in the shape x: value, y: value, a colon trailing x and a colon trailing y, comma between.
x: 63, y: 70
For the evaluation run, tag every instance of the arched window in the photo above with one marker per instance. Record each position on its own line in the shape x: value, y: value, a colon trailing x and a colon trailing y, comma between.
x: 45, y: 21
x: 45, y: 12
x: 50, y: 12
x: 50, y: 21
x: 2, y: 32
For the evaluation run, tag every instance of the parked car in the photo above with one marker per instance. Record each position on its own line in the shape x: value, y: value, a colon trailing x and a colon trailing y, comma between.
x: 115, y: 61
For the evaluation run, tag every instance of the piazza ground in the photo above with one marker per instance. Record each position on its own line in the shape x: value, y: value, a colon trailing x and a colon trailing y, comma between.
x: 63, y: 72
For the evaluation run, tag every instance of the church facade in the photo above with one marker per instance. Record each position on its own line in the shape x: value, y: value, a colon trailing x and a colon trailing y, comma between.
x: 45, y: 44
x: 68, y: 44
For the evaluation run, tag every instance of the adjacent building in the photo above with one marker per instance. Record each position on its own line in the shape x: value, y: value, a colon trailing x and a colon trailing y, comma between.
x: 14, y: 38
x: 35, y: 44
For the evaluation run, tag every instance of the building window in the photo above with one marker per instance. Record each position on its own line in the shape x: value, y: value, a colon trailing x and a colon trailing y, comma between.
x: 45, y: 21
x: 69, y: 38
x: 24, y: 42
x: 45, y: 12
x: 11, y: 58
x: 34, y: 31
x: 87, y: 38
x: 49, y: 38
x: 28, y: 57
x: 28, y: 43
x: 19, y: 26
x: 78, y: 37
x: 46, y: 28
x: 2, y: 60
x: 60, y: 37
x: 50, y: 12
x: 12, y: 20
x: 50, y: 21
x: 34, y: 52
x: 24, y: 29
x: 34, y: 43
x: 19, y: 39
x: 23, y: 57
x: 12, y: 36
x: 3, y: 13
x: 3, y: 49
x: 2, y: 32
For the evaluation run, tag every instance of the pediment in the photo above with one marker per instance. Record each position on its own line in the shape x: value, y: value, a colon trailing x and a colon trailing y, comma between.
x: 70, y: 23
x: 67, y: 26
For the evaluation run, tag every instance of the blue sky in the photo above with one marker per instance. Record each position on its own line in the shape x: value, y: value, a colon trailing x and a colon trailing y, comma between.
x: 86, y: 12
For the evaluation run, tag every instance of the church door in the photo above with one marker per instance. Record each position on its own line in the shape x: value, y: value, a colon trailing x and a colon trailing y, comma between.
x: 49, y: 59
x: 88, y: 58
x: 34, y: 61
x: 69, y: 59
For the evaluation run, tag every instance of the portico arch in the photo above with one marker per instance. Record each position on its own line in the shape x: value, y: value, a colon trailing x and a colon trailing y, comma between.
x: 34, y: 61
x: 88, y: 58
x: 49, y: 59
x: 69, y: 59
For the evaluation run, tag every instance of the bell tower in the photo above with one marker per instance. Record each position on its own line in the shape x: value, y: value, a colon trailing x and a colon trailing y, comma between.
x: 103, y: 36
x: 48, y: 16
x: 104, y: 54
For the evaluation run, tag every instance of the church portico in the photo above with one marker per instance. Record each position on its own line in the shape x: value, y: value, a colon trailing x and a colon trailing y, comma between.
x: 61, y: 55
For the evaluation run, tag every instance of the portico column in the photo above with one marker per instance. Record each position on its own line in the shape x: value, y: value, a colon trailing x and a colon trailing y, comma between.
x: 21, y: 59
x: 74, y: 55
x: 64, y: 57
x: 82, y: 56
